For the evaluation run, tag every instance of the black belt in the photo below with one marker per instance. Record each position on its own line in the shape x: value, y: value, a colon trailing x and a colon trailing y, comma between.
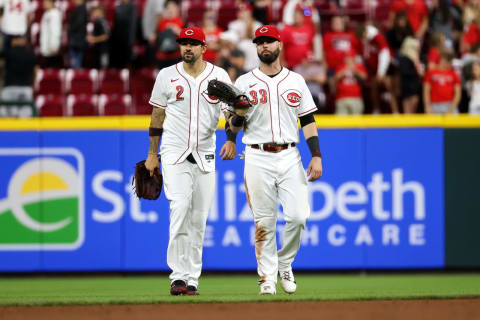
x: 191, y: 159
x: 272, y: 147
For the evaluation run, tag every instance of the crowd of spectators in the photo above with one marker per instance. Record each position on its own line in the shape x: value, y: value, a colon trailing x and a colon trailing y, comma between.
x: 422, y: 56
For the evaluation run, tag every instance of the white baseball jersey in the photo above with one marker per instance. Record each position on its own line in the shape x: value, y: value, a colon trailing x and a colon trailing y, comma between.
x: 276, y: 105
x: 50, y: 32
x: 191, y: 115
x: 15, y: 14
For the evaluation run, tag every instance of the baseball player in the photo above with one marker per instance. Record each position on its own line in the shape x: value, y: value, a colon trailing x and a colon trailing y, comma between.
x: 273, y: 168
x: 187, y: 118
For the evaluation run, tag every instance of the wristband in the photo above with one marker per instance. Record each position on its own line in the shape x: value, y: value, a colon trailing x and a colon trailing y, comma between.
x: 238, y: 121
x: 155, y: 132
x: 231, y: 136
x: 314, y: 146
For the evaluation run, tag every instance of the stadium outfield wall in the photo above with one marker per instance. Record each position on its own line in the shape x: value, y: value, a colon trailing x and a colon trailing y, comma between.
x: 398, y: 192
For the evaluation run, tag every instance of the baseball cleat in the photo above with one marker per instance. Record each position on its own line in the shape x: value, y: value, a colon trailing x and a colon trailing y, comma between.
x: 268, y: 287
x: 178, y: 287
x: 287, y: 281
x: 192, y: 291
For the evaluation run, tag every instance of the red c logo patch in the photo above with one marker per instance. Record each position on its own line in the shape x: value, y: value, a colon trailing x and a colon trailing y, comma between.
x: 292, y: 98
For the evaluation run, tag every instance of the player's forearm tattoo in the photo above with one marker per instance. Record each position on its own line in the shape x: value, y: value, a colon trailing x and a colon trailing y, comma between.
x: 156, y: 124
x: 231, y: 136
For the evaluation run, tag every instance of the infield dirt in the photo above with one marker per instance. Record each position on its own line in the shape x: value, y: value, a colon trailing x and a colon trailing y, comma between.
x: 457, y: 309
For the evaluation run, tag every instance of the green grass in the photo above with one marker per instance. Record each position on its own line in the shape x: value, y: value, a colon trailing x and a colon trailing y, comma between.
x: 155, y: 289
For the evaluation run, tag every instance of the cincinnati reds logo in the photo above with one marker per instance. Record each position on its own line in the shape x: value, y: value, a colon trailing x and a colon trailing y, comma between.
x: 189, y: 32
x: 210, y: 99
x: 292, y: 98
x: 263, y: 30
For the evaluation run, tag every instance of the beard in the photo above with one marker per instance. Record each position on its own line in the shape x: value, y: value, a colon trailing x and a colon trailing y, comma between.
x: 189, y: 57
x: 268, y: 57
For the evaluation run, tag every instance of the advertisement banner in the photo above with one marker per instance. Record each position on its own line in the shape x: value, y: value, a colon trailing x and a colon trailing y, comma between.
x: 67, y: 204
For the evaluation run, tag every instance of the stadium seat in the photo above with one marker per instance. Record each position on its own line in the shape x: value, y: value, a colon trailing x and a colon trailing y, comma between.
x: 194, y: 13
x: 49, y: 81
x: 141, y: 85
x: 113, y: 81
x: 142, y: 108
x: 114, y: 104
x: 50, y: 105
x: 226, y: 14
x: 82, y: 105
x: 81, y: 81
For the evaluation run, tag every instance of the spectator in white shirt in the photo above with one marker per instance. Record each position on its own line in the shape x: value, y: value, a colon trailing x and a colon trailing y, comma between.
x: 51, y: 35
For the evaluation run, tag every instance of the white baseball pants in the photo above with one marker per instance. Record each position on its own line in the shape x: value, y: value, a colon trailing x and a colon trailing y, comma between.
x: 268, y: 177
x: 190, y: 193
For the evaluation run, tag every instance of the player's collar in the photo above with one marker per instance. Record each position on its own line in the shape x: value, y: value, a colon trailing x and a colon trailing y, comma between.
x: 181, y: 70
x: 256, y: 72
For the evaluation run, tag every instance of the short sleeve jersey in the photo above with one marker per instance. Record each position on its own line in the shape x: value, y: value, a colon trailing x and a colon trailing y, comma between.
x: 442, y: 84
x: 15, y: 16
x: 191, y: 115
x: 277, y: 103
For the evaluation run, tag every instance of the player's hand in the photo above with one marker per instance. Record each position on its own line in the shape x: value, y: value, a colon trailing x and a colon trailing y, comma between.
x: 314, y: 170
x: 241, y: 112
x: 151, y: 163
x: 229, y: 151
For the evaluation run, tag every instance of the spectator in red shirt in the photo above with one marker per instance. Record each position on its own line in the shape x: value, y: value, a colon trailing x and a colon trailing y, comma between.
x: 297, y: 40
x: 417, y: 13
x: 349, y: 77
x: 471, y: 37
x: 377, y: 56
x: 437, y: 46
x: 212, y: 35
x: 441, y: 88
x: 168, y: 29
x: 338, y: 43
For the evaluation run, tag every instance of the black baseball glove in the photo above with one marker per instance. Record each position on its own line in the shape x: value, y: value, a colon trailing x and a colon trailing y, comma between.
x: 146, y: 186
x: 228, y: 94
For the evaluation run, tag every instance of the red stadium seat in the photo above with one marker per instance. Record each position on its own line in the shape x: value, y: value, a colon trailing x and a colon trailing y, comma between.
x: 141, y: 85
x: 50, y: 105
x: 49, y: 81
x: 143, y: 108
x: 113, y: 81
x: 195, y: 14
x: 81, y: 81
x: 82, y: 105
x: 114, y: 104
x: 226, y: 14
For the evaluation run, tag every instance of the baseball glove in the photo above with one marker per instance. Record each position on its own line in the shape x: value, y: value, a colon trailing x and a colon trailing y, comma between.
x: 228, y: 94
x: 146, y: 186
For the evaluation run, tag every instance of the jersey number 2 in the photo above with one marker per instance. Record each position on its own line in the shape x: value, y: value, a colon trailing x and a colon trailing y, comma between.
x: 179, y: 93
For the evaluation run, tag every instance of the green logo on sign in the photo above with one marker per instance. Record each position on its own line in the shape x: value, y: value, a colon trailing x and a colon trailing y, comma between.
x: 43, y: 207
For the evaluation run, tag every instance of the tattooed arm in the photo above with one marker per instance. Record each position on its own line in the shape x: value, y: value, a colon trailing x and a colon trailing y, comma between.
x: 155, y: 132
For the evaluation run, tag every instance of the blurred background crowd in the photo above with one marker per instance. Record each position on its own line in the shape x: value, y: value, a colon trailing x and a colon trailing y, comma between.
x: 100, y: 57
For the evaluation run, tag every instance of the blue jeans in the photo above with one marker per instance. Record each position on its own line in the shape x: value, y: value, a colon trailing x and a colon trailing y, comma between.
x: 76, y: 58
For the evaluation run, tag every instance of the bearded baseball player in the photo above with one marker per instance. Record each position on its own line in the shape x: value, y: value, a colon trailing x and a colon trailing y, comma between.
x: 273, y: 167
x: 187, y: 119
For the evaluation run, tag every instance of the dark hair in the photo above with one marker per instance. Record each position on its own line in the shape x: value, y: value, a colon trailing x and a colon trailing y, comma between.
x: 475, y: 47
x: 360, y: 31
x: 447, y: 55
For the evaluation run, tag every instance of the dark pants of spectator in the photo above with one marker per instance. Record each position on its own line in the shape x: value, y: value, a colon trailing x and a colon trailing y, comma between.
x: 54, y: 62
x: 76, y: 58
x: 7, y: 40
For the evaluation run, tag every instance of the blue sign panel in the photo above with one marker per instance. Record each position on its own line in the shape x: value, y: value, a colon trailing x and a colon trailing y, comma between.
x: 67, y: 204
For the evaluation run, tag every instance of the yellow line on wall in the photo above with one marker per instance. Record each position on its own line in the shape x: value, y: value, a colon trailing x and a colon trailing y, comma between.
x: 322, y: 121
